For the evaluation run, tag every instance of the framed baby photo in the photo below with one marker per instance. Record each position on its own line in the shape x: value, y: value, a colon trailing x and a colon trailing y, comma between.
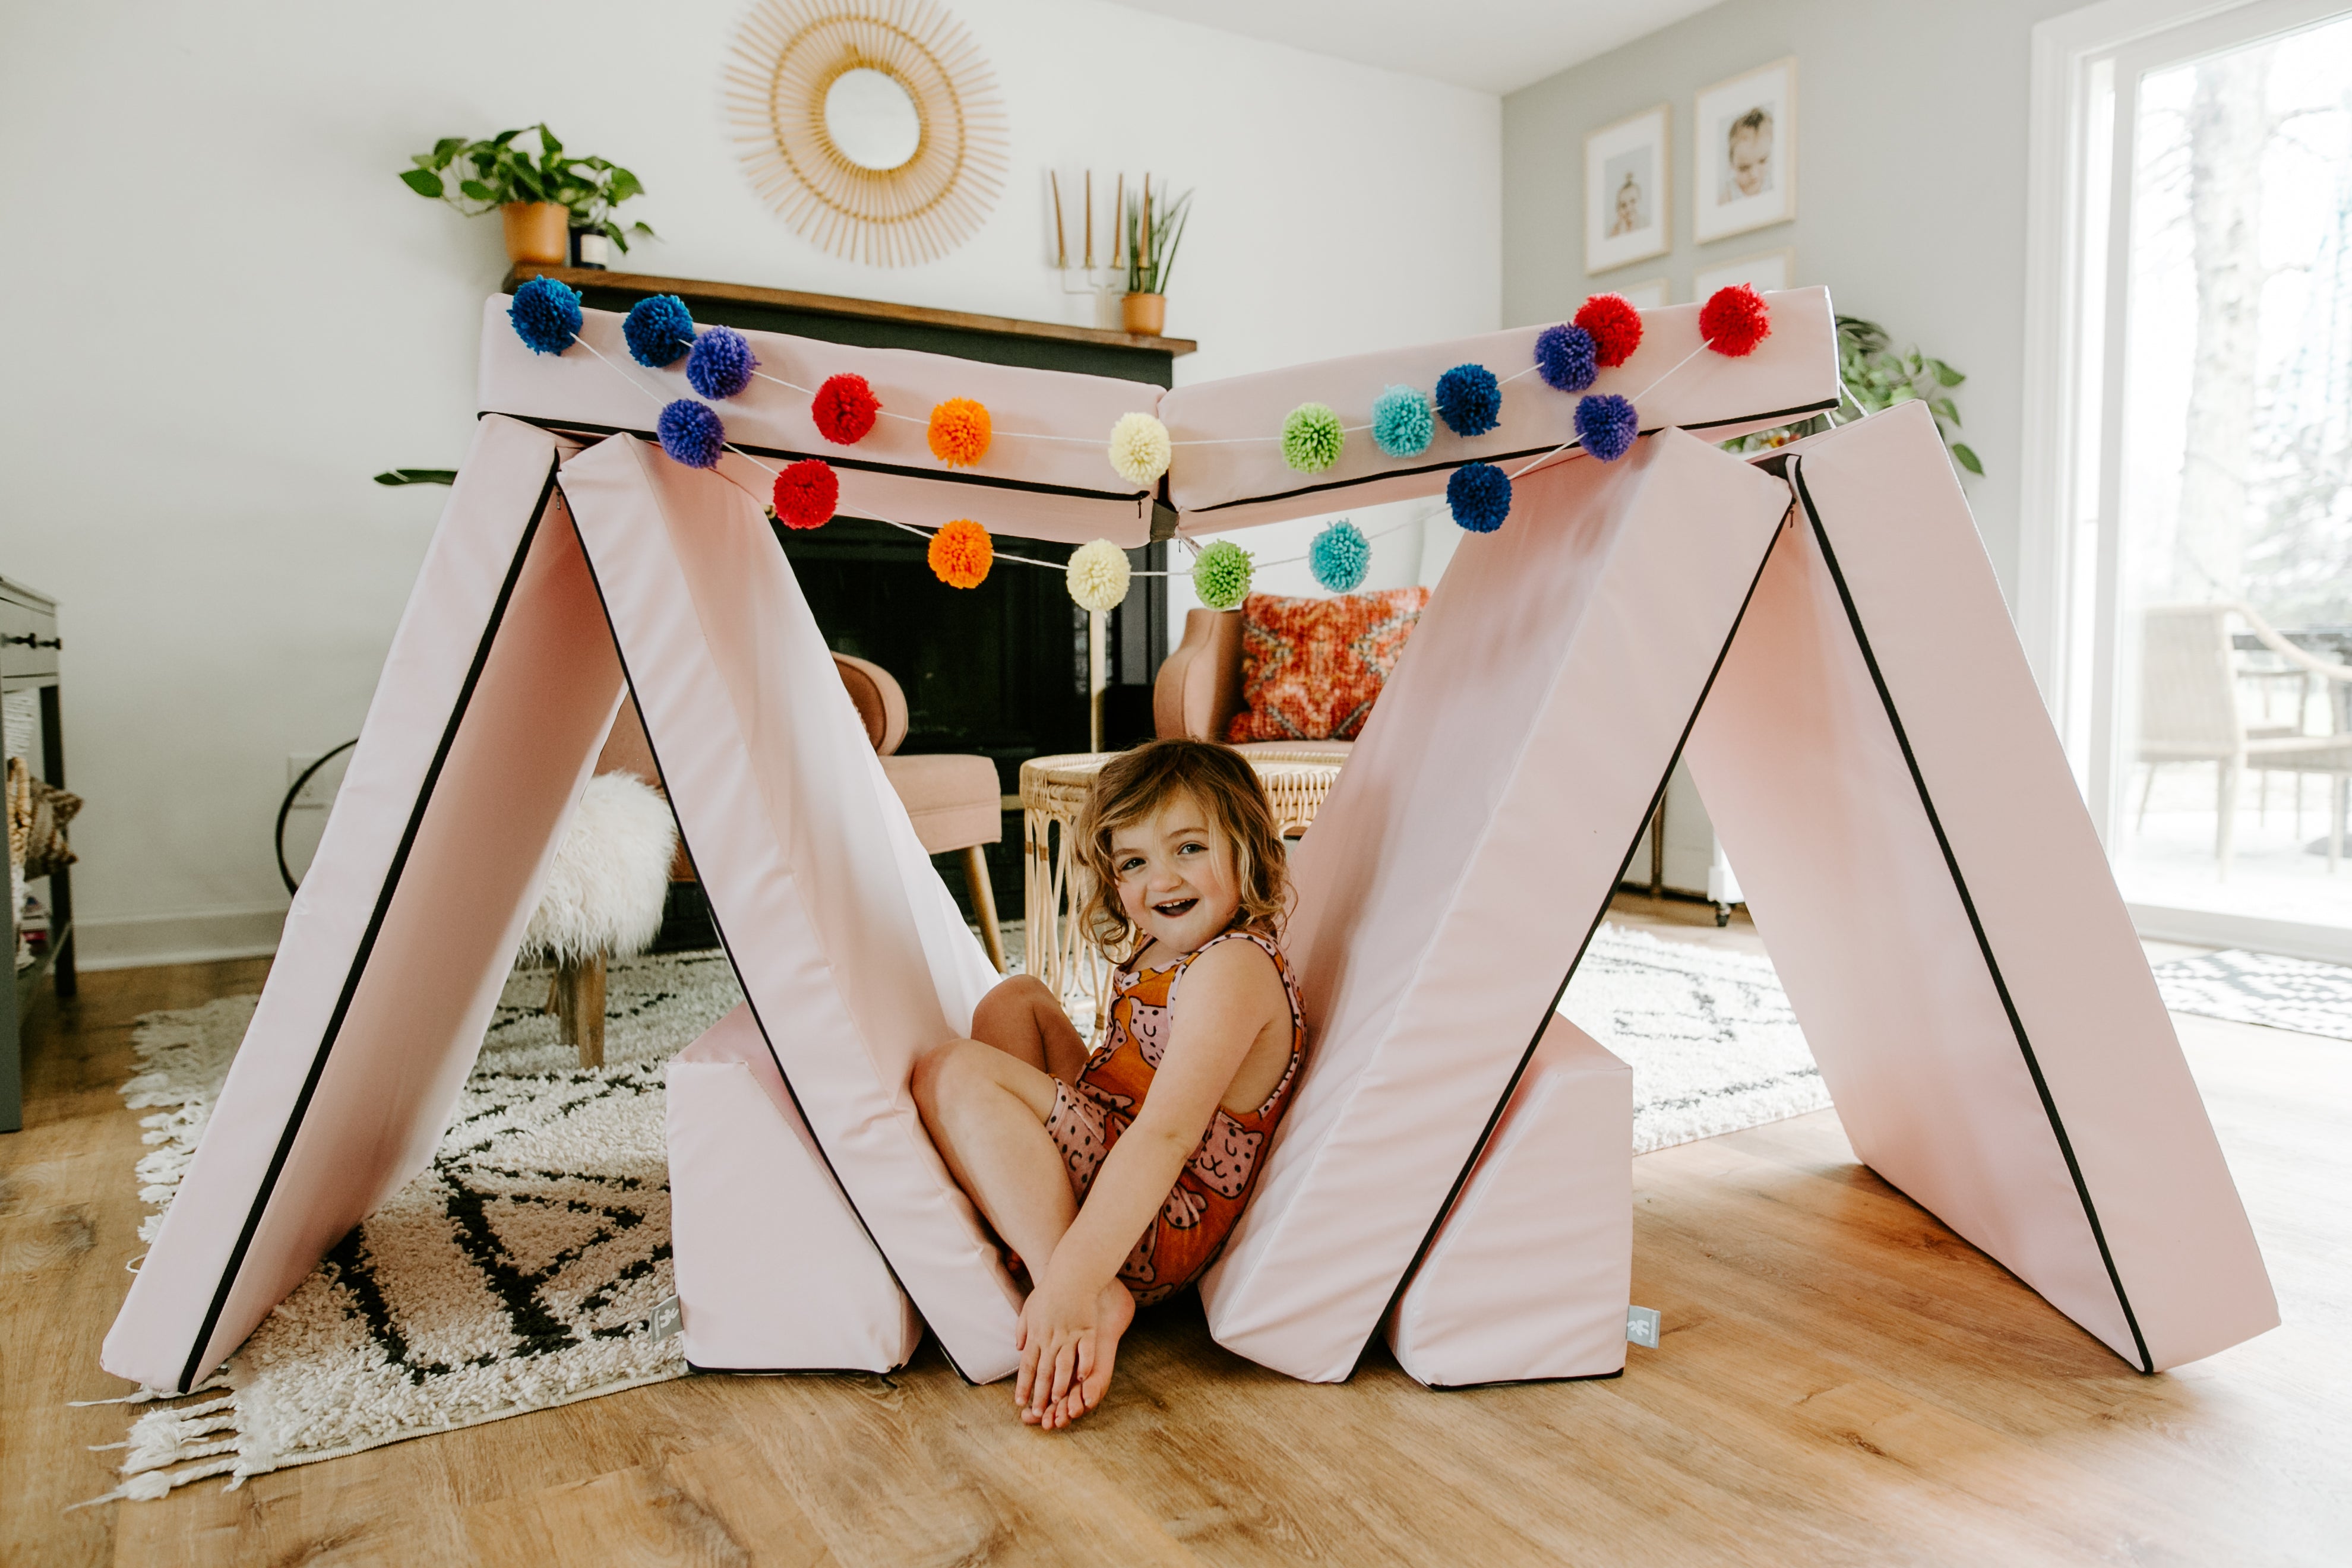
x: 1626, y: 195
x: 1765, y: 272
x: 1744, y: 153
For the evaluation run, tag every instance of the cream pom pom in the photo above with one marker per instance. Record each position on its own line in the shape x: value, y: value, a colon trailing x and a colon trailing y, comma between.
x: 1098, y: 572
x: 1140, y: 448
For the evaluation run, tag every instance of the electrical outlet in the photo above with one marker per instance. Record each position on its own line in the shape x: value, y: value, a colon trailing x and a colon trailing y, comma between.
x: 1641, y: 1326
x: 320, y: 793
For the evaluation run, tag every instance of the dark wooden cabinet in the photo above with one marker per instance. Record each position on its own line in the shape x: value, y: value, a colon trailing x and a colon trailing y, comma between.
x: 29, y: 662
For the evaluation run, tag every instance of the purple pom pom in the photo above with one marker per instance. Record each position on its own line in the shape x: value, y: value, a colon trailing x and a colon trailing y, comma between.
x: 545, y: 315
x: 1480, y: 496
x: 1566, y: 358
x: 721, y: 362
x: 1607, y: 424
x: 691, y: 433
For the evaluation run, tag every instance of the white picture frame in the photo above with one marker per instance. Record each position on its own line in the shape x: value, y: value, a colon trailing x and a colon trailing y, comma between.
x: 1765, y: 272
x: 1629, y: 190
x: 1744, y: 153
x: 1649, y: 294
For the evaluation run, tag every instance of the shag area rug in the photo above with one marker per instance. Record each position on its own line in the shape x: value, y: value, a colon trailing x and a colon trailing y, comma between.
x: 521, y: 1270
x: 2297, y: 994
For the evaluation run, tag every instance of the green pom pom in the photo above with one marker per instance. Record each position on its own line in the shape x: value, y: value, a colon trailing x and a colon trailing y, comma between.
x: 1311, y: 438
x: 1221, y: 577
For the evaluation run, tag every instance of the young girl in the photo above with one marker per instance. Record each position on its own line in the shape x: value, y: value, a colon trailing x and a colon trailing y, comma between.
x: 1115, y: 1177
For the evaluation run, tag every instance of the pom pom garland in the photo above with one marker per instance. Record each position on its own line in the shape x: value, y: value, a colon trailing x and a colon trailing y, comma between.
x: 962, y: 553
x: 1097, y: 575
x: 845, y: 409
x: 658, y: 330
x: 1221, y: 577
x: 1311, y: 438
x: 692, y: 433
x: 1479, y: 495
x: 1469, y: 399
x: 721, y: 362
x: 959, y: 433
x: 1607, y: 424
x: 1139, y: 451
x: 807, y: 494
x: 545, y: 315
x: 1402, y: 422
x: 1614, y: 325
x: 1566, y: 358
x: 1340, y: 557
x: 1735, y: 320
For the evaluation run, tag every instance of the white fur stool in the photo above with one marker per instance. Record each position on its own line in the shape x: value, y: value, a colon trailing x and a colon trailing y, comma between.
x: 604, y: 899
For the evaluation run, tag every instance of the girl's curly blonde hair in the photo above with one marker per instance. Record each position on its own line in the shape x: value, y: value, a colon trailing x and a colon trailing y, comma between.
x: 1134, y: 785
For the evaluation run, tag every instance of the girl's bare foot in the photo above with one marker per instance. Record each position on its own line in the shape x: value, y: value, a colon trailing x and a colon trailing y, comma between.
x: 1114, y: 1311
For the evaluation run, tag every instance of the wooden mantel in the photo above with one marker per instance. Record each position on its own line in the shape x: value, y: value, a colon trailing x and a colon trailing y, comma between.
x: 879, y: 323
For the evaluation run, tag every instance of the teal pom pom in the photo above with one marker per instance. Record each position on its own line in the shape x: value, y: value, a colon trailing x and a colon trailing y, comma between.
x: 1311, y: 438
x: 1221, y: 577
x: 545, y: 315
x: 1340, y: 557
x: 1401, y: 422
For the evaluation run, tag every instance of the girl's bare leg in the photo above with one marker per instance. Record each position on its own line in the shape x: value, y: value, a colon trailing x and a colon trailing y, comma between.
x: 1022, y: 1018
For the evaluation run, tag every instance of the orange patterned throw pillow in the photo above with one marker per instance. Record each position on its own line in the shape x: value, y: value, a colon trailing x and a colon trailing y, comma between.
x: 1311, y: 669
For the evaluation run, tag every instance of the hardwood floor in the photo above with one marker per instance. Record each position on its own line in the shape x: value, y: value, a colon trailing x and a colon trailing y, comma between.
x: 1841, y: 1381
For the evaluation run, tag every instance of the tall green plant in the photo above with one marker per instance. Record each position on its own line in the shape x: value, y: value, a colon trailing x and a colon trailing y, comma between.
x: 491, y: 173
x: 1878, y: 376
x: 1155, y: 227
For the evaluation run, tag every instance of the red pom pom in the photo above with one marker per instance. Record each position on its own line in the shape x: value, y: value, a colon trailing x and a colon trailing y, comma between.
x: 1615, y: 326
x: 845, y: 409
x: 807, y: 494
x: 1734, y: 320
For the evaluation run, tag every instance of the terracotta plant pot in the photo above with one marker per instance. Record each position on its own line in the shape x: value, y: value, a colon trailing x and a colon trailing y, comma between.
x: 1143, y: 314
x: 537, y: 231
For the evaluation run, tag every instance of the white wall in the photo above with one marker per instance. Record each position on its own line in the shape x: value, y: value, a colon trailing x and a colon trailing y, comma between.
x: 1911, y: 189
x: 225, y: 313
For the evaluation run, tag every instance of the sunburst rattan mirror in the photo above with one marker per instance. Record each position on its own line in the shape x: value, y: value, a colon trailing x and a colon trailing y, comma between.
x: 827, y: 98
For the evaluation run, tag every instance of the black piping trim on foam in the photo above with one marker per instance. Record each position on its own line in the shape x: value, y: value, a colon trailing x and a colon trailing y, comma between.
x: 1139, y: 499
x: 1776, y: 414
x: 1968, y: 902
x: 727, y: 947
x: 1429, y: 1238
x: 367, y: 940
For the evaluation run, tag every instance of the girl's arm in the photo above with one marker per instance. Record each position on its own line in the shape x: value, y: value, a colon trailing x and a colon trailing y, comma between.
x: 1226, y: 999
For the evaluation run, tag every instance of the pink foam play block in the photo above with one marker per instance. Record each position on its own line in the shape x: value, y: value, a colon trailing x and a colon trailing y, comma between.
x: 774, y: 1271
x: 1882, y: 771
x: 1464, y: 857
x: 498, y: 691
x: 850, y: 952
x: 1230, y: 481
x: 1062, y: 489
x: 1530, y: 1271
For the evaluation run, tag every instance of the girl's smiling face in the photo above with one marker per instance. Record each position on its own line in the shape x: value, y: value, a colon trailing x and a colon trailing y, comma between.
x: 1176, y: 878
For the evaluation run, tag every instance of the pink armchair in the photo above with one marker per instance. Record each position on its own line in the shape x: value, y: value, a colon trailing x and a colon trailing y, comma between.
x: 1199, y: 687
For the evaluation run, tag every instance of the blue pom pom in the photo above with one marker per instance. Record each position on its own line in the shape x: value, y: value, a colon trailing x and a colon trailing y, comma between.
x: 1340, y: 557
x: 1470, y: 399
x: 1401, y: 423
x: 1566, y: 358
x: 691, y: 433
x: 546, y: 315
x: 659, y: 329
x: 721, y: 362
x: 1607, y: 424
x: 1480, y: 495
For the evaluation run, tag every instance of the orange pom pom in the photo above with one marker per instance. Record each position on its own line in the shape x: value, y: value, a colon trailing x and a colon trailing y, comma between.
x: 959, y: 432
x: 962, y: 552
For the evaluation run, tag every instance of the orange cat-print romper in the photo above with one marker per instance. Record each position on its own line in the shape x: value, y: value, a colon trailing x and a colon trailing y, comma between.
x: 1214, y: 1185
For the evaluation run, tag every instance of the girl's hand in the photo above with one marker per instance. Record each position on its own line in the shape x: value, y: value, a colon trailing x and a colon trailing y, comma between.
x: 1058, y: 1326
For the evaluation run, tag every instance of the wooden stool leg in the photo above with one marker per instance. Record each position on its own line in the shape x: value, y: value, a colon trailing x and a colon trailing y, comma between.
x: 983, y: 903
x: 580, y: 1008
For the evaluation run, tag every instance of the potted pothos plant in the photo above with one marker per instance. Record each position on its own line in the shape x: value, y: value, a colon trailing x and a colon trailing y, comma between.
x: 543, y: 200
x: 1875, y: 374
